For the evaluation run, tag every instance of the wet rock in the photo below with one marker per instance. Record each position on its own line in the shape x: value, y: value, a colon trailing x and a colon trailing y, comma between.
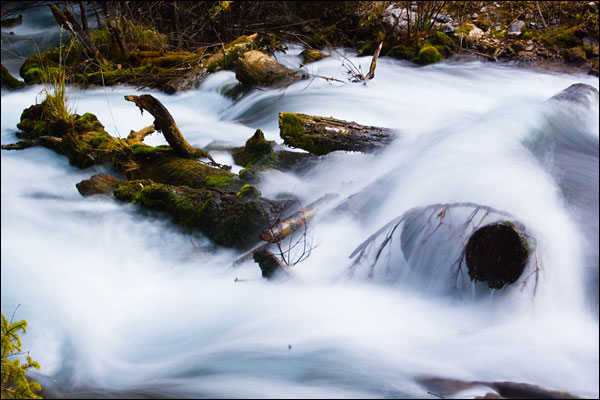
x: 312, y: 55
x: 443, y: 17
x: 255, y: 68
x: 575, y: 55
x: 98, y: 184
x: 447, y: 28
x: 579, y: 93
x: 515, y: 28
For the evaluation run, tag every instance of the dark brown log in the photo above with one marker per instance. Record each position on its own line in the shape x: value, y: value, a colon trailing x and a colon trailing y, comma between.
x: 268, y: 262
x: 98, y: 184
x: 164, y: 123
x: 497, y: 254
x: 322, y: 135
x: 67, y: 21
x: 286, y: 227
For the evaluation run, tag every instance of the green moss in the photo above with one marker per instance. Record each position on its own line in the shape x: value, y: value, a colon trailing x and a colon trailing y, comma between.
x: 290, y: 125
x: 560, y: 36
x: 221, y: 180
x: 145, y: 150
x: 429, y: 55
x: 248, y: 191
x: 88, y: 122
x: 464, y: 29
x: 129, y: 191
x: 100, y: 140
x: 441, y: 39
x: 404, y: 52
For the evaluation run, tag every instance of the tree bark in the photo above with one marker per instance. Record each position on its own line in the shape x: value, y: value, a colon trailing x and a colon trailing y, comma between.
x: 286, y: 227
x: 371, y: 73
x: 164, y: 123
x: 66, y: 20
x: 113, y: 27
x: 322, y: 135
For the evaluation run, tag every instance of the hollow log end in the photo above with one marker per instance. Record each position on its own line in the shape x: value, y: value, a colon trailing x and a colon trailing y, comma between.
x: 497, y: 254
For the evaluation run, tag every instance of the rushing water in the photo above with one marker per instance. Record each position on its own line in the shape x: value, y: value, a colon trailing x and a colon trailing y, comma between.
x: 120, y: 302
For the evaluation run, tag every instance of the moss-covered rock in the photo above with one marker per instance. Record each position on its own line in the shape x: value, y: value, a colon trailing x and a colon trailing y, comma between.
x: 256, y: 68
x: 312, y: 55
x: 575, y: 55
x: 429, y: 55
x: 404, y: 52
x: 256, y: 150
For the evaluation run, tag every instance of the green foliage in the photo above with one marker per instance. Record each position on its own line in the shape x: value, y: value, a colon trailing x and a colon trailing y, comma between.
x: 14, y: 382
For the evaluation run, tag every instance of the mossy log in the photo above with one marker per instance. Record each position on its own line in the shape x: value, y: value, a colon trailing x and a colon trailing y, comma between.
x: 228, y: 219
x: 322, y: 135
x: 198, y: 196
x: 255, y: 68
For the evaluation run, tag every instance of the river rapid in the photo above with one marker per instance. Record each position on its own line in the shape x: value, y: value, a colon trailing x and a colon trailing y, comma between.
x: 121, y: 302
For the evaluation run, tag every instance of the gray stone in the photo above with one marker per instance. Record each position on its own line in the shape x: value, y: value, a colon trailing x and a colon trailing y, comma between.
x: 447, y: 29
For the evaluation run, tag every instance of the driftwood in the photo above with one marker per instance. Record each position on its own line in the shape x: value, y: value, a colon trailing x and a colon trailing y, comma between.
x: 371, y: 73
x: 496, y: 254
x: 10, y: 81
x: 268, y: 262
x: 164, y: 123
x: 322, y: 135
x: 289, y: 225
x: 98, y: 184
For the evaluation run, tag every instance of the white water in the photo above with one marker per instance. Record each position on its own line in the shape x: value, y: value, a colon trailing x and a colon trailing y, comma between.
x: 120, y: 302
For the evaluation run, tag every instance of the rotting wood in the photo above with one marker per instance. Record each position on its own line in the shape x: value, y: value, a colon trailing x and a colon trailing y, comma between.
x: 322, y: 135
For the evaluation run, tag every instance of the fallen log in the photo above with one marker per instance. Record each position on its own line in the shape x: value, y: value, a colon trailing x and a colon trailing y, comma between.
x: 229, y: 219
x: 431, y: 237
x: 284, y: 228
x: 322, y: 135
x: 255, y: 68
x: 164, y: 123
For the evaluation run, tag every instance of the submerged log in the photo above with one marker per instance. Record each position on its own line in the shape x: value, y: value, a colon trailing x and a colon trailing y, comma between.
x: 497, y: 254
x: 255, y: 68
x: 438, y: 240
x: 322, y: 135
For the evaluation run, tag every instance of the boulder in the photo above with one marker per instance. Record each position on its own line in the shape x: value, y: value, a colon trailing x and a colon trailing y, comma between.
x: 255, y: 68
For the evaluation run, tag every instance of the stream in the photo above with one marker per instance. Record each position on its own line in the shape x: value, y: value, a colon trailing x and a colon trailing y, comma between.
x: 120, y: 302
